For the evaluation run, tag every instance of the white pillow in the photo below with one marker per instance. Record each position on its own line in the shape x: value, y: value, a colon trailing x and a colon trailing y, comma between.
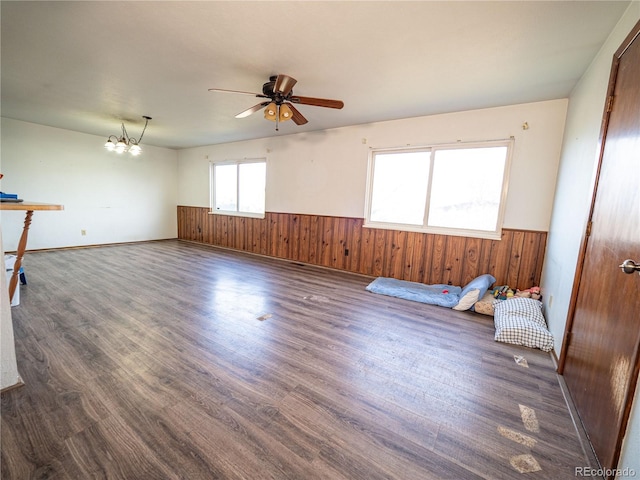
x: 473, y: 291
x: 469, y: 299
x: 520, y: 321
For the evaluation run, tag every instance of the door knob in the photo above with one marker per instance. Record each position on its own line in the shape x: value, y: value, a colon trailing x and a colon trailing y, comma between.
x: 629, y: 266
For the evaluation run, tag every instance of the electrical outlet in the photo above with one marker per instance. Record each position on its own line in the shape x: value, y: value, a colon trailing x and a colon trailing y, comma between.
x: 83, y: 232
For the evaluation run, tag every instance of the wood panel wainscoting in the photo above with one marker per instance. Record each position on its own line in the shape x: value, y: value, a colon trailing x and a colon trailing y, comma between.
x: 343, y: 243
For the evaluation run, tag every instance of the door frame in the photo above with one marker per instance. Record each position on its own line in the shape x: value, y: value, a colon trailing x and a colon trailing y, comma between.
x: 633, y: 35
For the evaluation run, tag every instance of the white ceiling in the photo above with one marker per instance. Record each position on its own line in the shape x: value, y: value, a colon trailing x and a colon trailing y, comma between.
x: 87, y: 66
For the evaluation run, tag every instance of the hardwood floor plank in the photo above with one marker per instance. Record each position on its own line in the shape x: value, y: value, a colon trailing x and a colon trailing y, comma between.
x: 150, y: 361
x: 111, y: 449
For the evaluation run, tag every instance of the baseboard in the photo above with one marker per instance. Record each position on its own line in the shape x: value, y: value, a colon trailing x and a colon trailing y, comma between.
x: 281, y: 259
x: 585, y: 444
x: 93, y: 245
x: 18, y: 384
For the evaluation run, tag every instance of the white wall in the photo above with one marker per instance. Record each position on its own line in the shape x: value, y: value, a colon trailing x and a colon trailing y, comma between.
x: 574, y: 190
x: 115, y: 198
x: 325, y: 172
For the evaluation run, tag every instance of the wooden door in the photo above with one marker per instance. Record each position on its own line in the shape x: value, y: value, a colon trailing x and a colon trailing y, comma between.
x: 600, y: 353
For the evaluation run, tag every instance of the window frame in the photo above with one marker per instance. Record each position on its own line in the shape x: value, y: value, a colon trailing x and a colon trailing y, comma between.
x: 425, y: 227
x: 212, y: 196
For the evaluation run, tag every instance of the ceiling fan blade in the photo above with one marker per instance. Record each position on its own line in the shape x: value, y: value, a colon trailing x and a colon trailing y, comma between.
x: 297, y: 117
x: 284, y: 84
x: 318, y: 102
x: 251, y: 110
x: 237, y: 91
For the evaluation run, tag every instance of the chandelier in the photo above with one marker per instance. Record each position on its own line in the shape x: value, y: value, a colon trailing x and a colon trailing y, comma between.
x: 125, y: 143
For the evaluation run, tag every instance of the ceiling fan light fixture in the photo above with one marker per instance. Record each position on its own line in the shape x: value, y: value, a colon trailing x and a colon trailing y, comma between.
x: 285, y: 113
x: 270, y: 113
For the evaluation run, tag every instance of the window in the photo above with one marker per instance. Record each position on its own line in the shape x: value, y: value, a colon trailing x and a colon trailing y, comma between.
x: 455, y: 189
x: 238, y: 187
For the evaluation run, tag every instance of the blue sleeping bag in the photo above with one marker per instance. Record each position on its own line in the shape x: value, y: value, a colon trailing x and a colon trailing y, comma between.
x: 417, y: 292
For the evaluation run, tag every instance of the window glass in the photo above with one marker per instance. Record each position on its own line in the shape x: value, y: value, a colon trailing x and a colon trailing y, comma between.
x: 400, y: 187
x: 238, y: 188
x: 450, y: 189
x: 466, y: 188
x: 226, y: 187
x: 251, y: 187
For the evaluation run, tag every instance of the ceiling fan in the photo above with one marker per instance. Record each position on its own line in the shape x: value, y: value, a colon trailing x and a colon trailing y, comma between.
x: 279, y: 106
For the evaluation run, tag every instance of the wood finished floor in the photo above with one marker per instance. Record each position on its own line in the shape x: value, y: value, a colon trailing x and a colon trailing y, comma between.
x: 149, y: 361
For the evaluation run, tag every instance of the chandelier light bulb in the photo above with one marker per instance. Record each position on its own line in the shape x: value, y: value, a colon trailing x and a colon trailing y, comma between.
x: 121, y: 146
x: 135, y: 150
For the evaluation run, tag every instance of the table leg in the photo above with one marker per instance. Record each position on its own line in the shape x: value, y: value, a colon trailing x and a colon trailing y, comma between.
x: 22, y: 245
